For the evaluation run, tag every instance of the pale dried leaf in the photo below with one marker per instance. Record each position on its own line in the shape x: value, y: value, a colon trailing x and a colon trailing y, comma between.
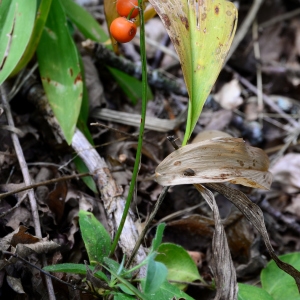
x: 229, y: 96
x: 222, y: 265
x: 216, y: 160
x: 15, y: 284
x: 255, y: 215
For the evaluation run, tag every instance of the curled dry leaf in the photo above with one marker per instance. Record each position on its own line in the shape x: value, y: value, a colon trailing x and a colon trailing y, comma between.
x: 216, y: 160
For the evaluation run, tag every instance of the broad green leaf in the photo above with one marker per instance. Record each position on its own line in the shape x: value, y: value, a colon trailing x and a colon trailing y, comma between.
x: 156, y: 275
x: 278, y: 283
x: 216, y: 160
x: 95, y: 237
x: 180, y: 265
x: 16, y: 24
x: 131, y: 86
x: 170, y: 292
x: 75, y: 269
x: 250, y: 292
x: 125, y: 289
x: 84, y: 21
x: 202, y: 32
x: 158, y: 236
x: 38, y: 28
x: 60, y: 70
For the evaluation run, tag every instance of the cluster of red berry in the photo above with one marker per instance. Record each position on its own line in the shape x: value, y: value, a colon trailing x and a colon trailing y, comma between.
x: 122, y: 28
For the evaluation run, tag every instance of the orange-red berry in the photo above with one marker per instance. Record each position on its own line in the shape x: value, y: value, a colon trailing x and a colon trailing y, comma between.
x: 124, y: 7
x: 122, y: 30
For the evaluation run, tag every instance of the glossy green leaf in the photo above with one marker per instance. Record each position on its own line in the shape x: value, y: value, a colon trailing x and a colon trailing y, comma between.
x: 201, y: 33
x: 169, y: 291
x: 38, y: 28
x: 95, y: 237
x: 278, y: 283
x: 84, y: 21
x: 115, y: 267
x: 250, y: 292
x: 16, y: 24
x: 156, y: 275
x: 158, y: 236
x: 180, y: 265
x: 74, y: 269
x: 60, y: 70
x: 131, y: 86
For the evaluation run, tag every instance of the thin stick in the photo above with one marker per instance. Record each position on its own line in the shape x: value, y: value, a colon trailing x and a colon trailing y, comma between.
x: 266, y: 99
x: 27, y: 180
x: 47, y: 182
x: 240, y: 34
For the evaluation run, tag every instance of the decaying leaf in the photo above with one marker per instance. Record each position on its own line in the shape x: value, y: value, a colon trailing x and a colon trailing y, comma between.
x: 216, y: 160
x: 202, y: 32
x: 222, y: 265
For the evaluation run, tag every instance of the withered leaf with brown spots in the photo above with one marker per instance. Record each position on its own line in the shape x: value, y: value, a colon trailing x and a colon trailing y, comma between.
x: 216, y: 160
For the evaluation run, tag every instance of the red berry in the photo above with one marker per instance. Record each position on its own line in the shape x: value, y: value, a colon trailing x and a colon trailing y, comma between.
x: 124, y: 7
x: 122, y: 30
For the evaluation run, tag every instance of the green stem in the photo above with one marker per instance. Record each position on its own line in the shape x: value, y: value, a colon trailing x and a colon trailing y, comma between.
x: 141, y: 134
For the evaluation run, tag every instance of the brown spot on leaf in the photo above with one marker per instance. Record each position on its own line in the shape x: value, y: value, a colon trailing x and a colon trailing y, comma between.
x: 185, y: 22
x: 189, y: 172
x: 217, y: 9
x: 71, y: 72
x: 78, y: 78
x: 228, y: 13
x: 166, y: 20
x: 203, y: 16
x: 177, y: 163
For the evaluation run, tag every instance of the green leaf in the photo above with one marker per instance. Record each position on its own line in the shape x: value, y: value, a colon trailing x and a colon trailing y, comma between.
x: 82, y: 168
x: 16, y: 24
x: 158, y: 236
x: 278, y: 283
x: 125, y: 289
x: 75, y: 269
x: 84, y: 21
x: 131, y: 86
x: 180, y: 265
x: 156, y: 275
x: 95, y: 237
x: 201, y: 32
x: 115, y: 267
x: 250, y: 292
x: 121, y: 296
x: 60, y: 70
x: 38, y: 28
x: 168, y: 291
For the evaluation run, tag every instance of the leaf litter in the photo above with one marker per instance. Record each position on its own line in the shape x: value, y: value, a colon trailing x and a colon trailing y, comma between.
x: 280, y: 67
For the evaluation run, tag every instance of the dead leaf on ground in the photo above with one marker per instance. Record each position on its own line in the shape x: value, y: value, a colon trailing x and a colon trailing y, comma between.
x: 216, y: 160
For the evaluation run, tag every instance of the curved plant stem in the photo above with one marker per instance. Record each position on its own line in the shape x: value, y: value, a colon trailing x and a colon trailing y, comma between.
x: 141, y: 134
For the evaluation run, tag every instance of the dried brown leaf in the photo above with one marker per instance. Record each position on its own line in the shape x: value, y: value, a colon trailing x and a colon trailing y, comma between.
x: 222, y: 265
x: 254, y: 214
x: 216, y: 160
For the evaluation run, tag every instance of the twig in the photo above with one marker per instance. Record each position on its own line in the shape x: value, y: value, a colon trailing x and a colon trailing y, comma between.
x: 267, y: 99
x: 27, y: 180
x: 156, y: 78
x: 47, y: 182
x: 243, y: 29
x: 280, y: 18
x: 259, y: 83
x: 73, y: 286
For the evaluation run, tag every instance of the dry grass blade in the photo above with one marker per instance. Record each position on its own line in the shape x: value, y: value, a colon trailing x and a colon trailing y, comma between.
x: 223, y: 268
x: 216, y: 160
x: 254, y: 214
